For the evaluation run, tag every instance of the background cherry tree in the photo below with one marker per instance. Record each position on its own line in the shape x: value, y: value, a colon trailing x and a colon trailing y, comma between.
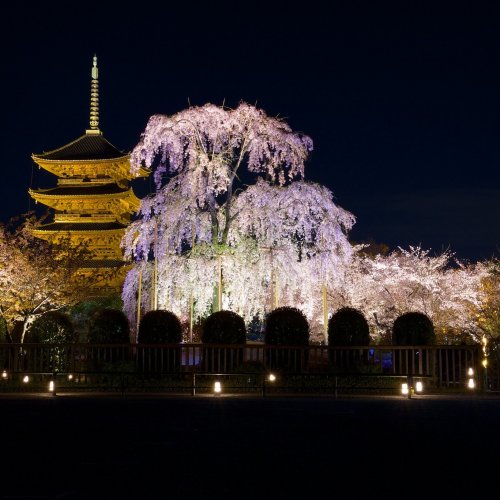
x: 36, y: 277
x: 443, y: 288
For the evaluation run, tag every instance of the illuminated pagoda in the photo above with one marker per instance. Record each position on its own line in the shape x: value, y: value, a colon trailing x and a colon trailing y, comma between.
x: 93, y: 201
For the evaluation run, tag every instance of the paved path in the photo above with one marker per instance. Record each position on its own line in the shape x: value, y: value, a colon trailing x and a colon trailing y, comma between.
x: 148, y: 447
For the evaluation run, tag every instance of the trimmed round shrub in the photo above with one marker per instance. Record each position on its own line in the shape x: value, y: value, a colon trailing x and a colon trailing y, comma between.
x: 286, y: 326
x: 224, y: 327
x: 53, y: 327
x: 413, y: 328
x: 160, y: 327
x: 109, y: 326
x: 348, y: 327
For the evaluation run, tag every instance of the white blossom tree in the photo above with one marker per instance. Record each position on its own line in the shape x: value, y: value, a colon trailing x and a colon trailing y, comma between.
x: 205, y: 239
x: 280, y: 238
x: 443, y: 288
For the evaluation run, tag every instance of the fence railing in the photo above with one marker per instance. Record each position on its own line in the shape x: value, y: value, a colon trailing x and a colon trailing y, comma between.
x: 445, y: 366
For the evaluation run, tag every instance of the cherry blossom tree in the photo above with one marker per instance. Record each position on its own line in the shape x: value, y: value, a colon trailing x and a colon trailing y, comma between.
x: 487, y: 311
x: 36, y: 277
x: 203, y: 222
x: 207, y: 147
x: 443, y: 288
x: 206, y: 240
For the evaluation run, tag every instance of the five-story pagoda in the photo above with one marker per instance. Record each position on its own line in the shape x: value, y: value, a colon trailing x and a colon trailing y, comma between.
x: 92, y: 202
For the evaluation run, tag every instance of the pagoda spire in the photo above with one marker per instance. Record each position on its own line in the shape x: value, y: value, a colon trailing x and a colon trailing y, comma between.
x: 94, y: 100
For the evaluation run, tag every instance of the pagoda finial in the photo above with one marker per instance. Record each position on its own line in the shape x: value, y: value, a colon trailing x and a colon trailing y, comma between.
x: 94, y: 100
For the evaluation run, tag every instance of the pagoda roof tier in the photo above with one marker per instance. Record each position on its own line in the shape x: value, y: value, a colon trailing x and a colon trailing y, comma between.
x: 117, y: 169
x: 52, y: 196
x: 82, y: 190
x: 102, y: 264
x: 85, y: 227
x: 87, y: 147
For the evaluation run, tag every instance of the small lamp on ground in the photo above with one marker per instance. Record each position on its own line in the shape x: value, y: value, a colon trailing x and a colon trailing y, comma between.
x: 217, y: 388
x: 471, y: 383
x: 52, y: 387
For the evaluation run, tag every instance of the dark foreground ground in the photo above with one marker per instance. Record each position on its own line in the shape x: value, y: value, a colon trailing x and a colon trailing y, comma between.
x: 207, y: 447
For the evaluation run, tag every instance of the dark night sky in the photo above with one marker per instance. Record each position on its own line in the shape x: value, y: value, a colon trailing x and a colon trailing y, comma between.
x: 402, y: 100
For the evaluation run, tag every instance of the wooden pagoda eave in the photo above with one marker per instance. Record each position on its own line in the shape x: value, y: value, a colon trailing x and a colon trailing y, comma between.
x: 43, y: 161
x: 96, y: 232
x: 54, y: 165
x: 124, y: 195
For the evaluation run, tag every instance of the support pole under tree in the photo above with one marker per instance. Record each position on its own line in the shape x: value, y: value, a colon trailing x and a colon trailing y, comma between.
x: 325, y: 313
x: 191, y: 314
x: 191, y: 298
x: 219, y: 291
x: 276, y: 292
x: 139, y: 290
x: 154, y: 298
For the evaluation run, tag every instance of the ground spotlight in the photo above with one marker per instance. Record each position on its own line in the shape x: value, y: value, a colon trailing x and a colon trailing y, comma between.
x: 26, y: 379
x: 272, y: 377
x: 419, y: 387
x: 4, y: 374
x: 217, y: 388
x: 404, y: 389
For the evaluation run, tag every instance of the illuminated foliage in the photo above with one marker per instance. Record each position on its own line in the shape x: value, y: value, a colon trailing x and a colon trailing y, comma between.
x: 208, y: 239
x: 206, y: 228
x: 36, y: 277
x: 441, y: 287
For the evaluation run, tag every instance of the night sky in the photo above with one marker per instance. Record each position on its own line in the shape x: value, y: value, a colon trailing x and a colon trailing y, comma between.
x: 402, y: 100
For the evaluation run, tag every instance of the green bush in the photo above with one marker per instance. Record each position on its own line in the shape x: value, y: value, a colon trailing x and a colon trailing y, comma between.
x: 286, y: 326
x: 109, y: 326
x: 81, y: 313
x: 53, y: 327
x: 160, y: 327
x: 413, y: 328
x: 224, y: 327
x: 348, y: 327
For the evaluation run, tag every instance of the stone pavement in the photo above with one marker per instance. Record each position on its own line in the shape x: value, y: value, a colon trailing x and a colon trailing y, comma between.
x: 216, y: 447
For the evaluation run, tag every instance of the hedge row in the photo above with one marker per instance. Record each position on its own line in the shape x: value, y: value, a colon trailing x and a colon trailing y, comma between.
x: 283, y: 326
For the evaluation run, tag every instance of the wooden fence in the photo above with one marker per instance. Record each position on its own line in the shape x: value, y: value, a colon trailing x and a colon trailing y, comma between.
x: 442, y: 366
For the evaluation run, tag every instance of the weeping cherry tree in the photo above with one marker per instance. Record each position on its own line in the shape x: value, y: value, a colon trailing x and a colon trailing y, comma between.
x: 276, y: 240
